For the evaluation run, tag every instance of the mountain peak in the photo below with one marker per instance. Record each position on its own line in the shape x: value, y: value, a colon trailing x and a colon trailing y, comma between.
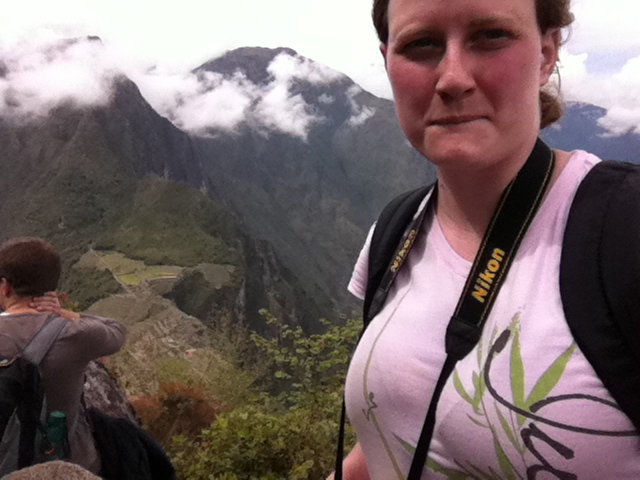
x: 253, y: 62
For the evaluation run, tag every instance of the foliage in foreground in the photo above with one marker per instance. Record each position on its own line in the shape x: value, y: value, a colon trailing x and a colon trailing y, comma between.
x: 289, y: 432
x: 177, y: 409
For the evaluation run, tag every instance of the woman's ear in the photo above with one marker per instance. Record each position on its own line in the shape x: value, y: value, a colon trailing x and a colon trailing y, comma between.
x: 383, y: 51
x: 550, y: 49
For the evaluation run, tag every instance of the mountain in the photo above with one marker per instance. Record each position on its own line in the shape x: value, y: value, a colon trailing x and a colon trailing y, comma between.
x: 579, y: 128
x: 122, y: 177
x: 312, y: 198
x: 268, y: 214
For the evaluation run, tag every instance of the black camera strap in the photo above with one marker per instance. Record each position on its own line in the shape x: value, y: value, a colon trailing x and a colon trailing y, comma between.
x: 510, y: 221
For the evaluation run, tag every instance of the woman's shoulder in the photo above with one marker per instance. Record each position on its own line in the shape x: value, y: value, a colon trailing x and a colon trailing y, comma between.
x: 588, y: 160
x: 582, y: 159
x: 598, y: 174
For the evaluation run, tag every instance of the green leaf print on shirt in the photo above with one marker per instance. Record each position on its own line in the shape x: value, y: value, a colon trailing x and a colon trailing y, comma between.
x: 506, y: 429
x: 517, y: 368
x: 550, y: 377
x: 545, y: 383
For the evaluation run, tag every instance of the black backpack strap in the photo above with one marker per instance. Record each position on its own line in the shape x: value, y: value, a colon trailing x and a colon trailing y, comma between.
x: 41, y: 342
x: 24, y: 422
x: 600, y: 278
x: 389, y: 229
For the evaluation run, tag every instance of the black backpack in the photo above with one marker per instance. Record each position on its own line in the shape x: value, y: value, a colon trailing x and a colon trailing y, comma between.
x: 23, y: 410
x: 599, y: 273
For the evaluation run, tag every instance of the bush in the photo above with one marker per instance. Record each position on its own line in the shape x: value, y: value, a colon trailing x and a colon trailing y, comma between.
x: 253, y: 443
x: 177, y: 409
x: 288, y: 433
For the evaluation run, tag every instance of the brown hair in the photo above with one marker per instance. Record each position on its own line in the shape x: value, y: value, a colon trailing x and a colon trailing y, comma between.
x: 549, y: 13
x: 31, y: 265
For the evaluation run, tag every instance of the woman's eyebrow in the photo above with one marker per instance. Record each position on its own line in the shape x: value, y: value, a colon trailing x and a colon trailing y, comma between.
x: 493, y: 20
x: 414, y: 31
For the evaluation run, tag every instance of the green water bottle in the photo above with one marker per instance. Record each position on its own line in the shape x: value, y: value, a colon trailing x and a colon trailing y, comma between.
x: 57, y: 434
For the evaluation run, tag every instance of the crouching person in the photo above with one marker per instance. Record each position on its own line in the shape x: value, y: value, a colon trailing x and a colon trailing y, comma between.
x: 58, y: 344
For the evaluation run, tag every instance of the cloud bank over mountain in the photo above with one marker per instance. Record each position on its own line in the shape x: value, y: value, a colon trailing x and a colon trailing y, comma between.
x: 41, y: 71
x: 619, y: 93
x: 45, y: 72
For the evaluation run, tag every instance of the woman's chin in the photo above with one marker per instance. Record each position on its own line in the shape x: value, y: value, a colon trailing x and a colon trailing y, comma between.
x: 437, y: 141
x: 469, y: 150
x: 454, y: 155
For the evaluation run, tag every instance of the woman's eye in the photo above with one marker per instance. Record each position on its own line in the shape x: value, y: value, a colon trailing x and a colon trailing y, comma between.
x: 491, y: 38
x: 425, y: 45
x: 495, y: 34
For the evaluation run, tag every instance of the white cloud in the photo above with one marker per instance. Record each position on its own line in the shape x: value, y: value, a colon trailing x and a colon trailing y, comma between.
x: 286, y: 68
x: 216, y: 103
x: 278, y: 110
x: 574, y: 79
x: 623, y: 102
x: 601, y: 61
x: 604, y: 26
x: 47, y: 72
x: 619, y: 93
x: 359, y: 114
x: 188, y: 33
x: 620, y: 120
x: 361, y: 118
x: 202, y: 102
x: 326, y: 99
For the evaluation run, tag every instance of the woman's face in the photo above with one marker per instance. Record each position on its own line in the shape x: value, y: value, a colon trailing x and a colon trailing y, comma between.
x: 466, y: 76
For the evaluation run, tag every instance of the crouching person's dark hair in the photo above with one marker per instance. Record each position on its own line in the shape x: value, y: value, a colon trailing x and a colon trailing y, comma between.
x: 31, y: 265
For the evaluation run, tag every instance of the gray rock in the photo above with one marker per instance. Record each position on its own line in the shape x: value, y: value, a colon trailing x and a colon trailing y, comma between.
x: 49, y: 470
x: 102, y: 392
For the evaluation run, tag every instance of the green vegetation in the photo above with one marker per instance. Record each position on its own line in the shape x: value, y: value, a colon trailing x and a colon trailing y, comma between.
x: 86, y: 286
x: 282, y: 425
x: 174, y: 224
x: 131, y: 279
x: 126, y: 270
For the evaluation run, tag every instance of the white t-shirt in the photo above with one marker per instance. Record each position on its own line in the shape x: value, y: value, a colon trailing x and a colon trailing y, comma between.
x: 542, y: 413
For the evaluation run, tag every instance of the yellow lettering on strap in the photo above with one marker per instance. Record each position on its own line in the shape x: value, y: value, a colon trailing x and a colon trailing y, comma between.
x: 486, y: 278
x: 479, y: 293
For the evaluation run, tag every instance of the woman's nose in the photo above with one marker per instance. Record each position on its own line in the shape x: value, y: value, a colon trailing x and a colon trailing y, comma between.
x: 455, y: 78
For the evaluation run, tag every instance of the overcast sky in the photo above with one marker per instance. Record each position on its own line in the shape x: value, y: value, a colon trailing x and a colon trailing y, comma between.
x: 600, y: 61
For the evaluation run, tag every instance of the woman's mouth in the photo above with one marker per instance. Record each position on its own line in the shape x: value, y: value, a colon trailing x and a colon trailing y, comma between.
x: 455, y: 120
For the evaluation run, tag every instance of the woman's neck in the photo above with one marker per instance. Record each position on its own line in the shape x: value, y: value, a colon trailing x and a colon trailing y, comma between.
x: 466, y: 203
